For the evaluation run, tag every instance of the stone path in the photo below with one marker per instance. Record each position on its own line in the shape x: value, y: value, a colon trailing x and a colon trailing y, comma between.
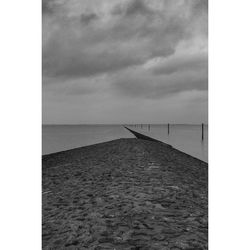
x: 124, y: 194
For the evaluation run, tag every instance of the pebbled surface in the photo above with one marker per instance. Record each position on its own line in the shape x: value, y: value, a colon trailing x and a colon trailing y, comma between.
x: 124, y: 194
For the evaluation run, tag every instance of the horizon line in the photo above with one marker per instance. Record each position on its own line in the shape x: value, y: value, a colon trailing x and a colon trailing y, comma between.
x: 121, y: 124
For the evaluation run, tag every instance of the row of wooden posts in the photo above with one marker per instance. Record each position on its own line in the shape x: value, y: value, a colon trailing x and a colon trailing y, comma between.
x: 168, y: 126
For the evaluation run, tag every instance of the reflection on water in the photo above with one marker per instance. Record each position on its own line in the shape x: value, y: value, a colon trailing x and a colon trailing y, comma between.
x: 186, y: 138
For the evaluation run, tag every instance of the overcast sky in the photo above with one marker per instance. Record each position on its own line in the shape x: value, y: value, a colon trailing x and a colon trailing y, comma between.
x: 125, y: 61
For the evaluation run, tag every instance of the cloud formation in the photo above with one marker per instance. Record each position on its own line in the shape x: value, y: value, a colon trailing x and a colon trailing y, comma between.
x: 141, y: 84
x: 76, y: 46
x: 140, y: 49
x: 197, y: 62
x: 132, y: 8
x: 86, y: 18
x: 46, y: 7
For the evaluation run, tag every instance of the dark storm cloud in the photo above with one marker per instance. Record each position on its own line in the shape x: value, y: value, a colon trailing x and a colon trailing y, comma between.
x: 127, y: 35
x: 138, y: 7
x: 200, y: 6
x: 140, y: 59
x: 134, y: 7
x: 75, y: 51
x: 49, y: 7
x: 46, y: 7
x: 86, y: 18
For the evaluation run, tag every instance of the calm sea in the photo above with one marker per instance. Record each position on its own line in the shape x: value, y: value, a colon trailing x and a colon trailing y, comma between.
x: 186, y: 138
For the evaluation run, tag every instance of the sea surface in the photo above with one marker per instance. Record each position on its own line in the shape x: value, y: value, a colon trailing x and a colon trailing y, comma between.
x: 187, y: 138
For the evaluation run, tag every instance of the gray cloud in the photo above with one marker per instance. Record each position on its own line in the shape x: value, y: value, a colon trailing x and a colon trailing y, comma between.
x: 145, y: 85
x: 138, y: 88
x: 128, y: 36
x: 46, y: 7
x: 138, y: 7
x: 76, y: 91
x: 50, y: 7
x: 72, y: 50
x: 128, y: 55
x: 200, y: 6
x: 134, y: 7
x: 184, y: 63
x: 86, y: 18
x: 77, y: 64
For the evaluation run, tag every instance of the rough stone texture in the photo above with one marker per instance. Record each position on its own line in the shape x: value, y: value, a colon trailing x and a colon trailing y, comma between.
x: 124, y: 194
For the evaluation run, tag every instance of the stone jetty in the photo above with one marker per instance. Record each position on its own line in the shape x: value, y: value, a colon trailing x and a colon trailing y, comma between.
x: 129, y: 194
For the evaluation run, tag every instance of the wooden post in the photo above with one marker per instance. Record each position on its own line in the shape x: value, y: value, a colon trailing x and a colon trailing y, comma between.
x: 168, y: 128
x: 202, y: 133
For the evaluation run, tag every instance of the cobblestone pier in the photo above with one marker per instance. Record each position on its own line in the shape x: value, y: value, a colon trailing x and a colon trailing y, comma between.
x: 124, y: 194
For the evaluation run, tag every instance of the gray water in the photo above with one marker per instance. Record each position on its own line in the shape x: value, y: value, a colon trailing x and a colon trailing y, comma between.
x: 186, y: 138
